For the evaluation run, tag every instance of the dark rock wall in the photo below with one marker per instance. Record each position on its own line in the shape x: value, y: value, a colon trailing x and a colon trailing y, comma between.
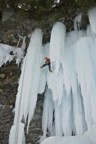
x: 9, y: 75
x: 24, y: 23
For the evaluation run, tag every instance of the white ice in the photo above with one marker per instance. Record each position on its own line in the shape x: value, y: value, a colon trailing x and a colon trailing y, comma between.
x: 5, y: 56
x: 92, y: 19
x: 76, y: 76
x: 85, y: 52
x: 43, y: 74
x: 19, y: 52
x: 68, y: 140
x: 28, y: 88
x: 77, y: 21
x: 57, y: 42
x: 70, y: 89
x: 87, y: 138
x: 47, y: 117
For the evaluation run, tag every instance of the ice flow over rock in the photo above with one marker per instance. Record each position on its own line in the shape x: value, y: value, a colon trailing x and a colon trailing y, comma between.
x: 70, y: 89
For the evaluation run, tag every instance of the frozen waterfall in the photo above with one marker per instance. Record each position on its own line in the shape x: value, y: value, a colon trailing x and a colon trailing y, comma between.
x: 70, y: 89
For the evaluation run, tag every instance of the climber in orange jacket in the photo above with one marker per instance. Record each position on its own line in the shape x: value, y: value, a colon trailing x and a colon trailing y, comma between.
x: 47, y: 63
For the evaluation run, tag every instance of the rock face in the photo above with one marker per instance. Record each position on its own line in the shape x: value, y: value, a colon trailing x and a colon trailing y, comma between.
x: 9, y: 75
x: 21, y: 23
x: 8, y: 14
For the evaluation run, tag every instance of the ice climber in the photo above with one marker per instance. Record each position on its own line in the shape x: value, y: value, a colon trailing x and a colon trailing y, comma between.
x: 47, y: 63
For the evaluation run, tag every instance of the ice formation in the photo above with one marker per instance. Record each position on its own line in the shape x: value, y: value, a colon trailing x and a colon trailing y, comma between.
x: 92, y: 19
x: 6, y: 56
x: 87, y: 138
x: 70, y: 90
x: 68, y: 140
x: 19, y: 52
x: 28, y: 88
x: 77, y: 21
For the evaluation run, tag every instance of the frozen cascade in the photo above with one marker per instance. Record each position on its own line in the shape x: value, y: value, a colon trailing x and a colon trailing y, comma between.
x: 76, y: 76
x: 86, y: 76
x: 28, y: 88
x: 70, y: 89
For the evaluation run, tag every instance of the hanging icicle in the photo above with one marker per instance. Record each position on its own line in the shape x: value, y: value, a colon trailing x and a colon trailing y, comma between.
x: 28, y: 88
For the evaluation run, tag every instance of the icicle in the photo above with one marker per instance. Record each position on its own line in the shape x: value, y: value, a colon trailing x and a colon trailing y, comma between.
x: 36, y: 63
x: 55, y: 81
x: 77, y: 21
x: 23, y: 46
x: 79, y: 113
x: 58, y: 115
x: 67, y: 114
x: 18, y: 41
x: 92, y: 19
x: 47, y: 118
x: 28, y: 85
x: 17, y: 139
x: 51, y: 128
x: 15, y: 132
x: 57, y: 45
x: 19, y: 52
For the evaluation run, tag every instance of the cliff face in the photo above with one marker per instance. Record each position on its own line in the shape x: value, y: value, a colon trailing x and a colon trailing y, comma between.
x: 22, y: 23
x: 9, y: 75
x: 12, y: 25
